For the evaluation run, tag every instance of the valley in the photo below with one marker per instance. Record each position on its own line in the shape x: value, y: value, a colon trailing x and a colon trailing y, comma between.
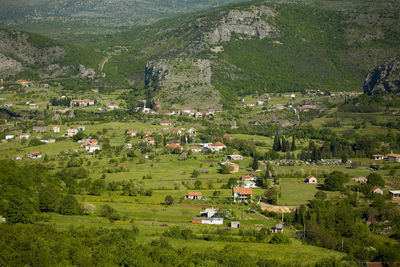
x: 215, y: 133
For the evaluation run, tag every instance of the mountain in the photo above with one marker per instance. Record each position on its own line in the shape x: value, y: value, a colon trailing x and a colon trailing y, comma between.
x: 66, y: 18
x: 256, y: 47
x: 384, y: 79
x: 33, y: 56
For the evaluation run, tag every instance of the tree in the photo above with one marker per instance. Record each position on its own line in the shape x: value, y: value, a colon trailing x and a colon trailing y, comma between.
x: 375, y: 179
x: 276, y: 145
x: 344, y: 157
x: 232, y: 182
x: 255, y: 162
x: 19, y: 207
x: 69, y: 206
x: 48, y: 198
x: 293, y: 147
x: 280, y: 238
x: 320, y: 195
x: 168, y: 200
x: 197, y: 184
x: 195, y: 174
x: 88, y: 208
x: 335, y: 181
x: 97, y: 187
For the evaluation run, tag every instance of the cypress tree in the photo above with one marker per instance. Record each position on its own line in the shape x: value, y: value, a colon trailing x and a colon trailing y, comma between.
x: 255, y: 162
x: 275, y: 147
x: 293, y: 148
x: 284, y: 144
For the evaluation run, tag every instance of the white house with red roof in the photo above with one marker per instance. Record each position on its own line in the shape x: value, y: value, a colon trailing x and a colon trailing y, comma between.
x: 241, y: 194
x: 193, y: 195
x: 216, y: 147
x: 311, y: 180
x: 131, y: 133
x: 150, y: 140
x: 35, y: 155
x: 393, y: 157
x: 165, y: 123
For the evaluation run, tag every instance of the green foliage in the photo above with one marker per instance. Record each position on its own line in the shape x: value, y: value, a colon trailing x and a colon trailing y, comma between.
x: 279, y: 238
x: 168, y: 200
x: 35, y: 142
x: 375, y: 179
x: 69, y: 206
x: 335, y: 181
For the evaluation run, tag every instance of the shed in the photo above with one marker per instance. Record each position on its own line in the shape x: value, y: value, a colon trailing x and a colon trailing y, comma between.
x: 235, y: 224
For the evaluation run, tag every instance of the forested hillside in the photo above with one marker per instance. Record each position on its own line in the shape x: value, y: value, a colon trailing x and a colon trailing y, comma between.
x: 258, y: 47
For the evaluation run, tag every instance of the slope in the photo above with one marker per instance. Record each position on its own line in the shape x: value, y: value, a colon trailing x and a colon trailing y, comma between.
x: 262, y: 46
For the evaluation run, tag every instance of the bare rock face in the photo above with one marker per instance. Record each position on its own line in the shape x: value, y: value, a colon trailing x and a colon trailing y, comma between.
x: 182, y: 83
x: 9, y: 66
x: 384, y: 79
x: 245, y: 24
x: 86, y: 72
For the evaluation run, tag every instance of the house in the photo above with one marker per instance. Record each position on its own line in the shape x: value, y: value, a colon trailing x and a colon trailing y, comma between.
x: 248, y: 177
x: 18, y: 157
x: 175, y: 132
x: 131, y: 133
x: 278, y: 228
x: 395, y: 194
x: 170, y: 113
x: 24, y: 83
x: 376, y: 190
x: 249, y: 184
x: 393, y: 157
x: 72, y: 132
x: 33, y: 106
x: 230, y: 137
x: 198, y: 114
x: 251, y: 104
x: 165, y: 123
x: 235, y: 224
x: 112, y: 106
x: 48, y: 141
x: 148, y: 133
x: 35, y: 155
x: 204, y: 220
x: 174, y: 146
x: 150, y: 140
x: 9, y: 136
x: 216, y: 147
x: 39, y: 129
x: 195, y: 149
x: 311, y: 180
x: 209, y: 213
x: 360, y: 179
x: 90, y: 142
x: 8, y: 105
x: 373, y: 219
x: 128, y: 146
x: 92, y: 148
x: 141, y: 103
x: 378, y: 157
x: 56, y: 129
x: 241, y: 194
x: 193, y: 195
x: 174, y: 142
x: 186, y: 111
x: 260, y: 103
x: 25, y: 135
x: 191, y: 131
x: 235, y: 157
x: 81, y: 103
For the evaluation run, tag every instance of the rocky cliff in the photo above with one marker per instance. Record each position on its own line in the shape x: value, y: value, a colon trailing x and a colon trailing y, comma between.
x: 384, y: 79
x: 182, y: 82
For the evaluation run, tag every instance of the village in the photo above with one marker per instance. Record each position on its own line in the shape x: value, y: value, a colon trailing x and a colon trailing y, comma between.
x: 192, y: 168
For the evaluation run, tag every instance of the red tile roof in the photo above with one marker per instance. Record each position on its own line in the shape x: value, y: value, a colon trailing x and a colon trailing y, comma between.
x: 194, y: 194
x: 218, y: 144
x: 243, y: 191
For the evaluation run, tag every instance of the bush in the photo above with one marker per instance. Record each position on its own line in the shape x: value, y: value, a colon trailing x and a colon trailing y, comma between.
x: 169, y: 200
x: 69, y: 206
x: 280, y: 238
